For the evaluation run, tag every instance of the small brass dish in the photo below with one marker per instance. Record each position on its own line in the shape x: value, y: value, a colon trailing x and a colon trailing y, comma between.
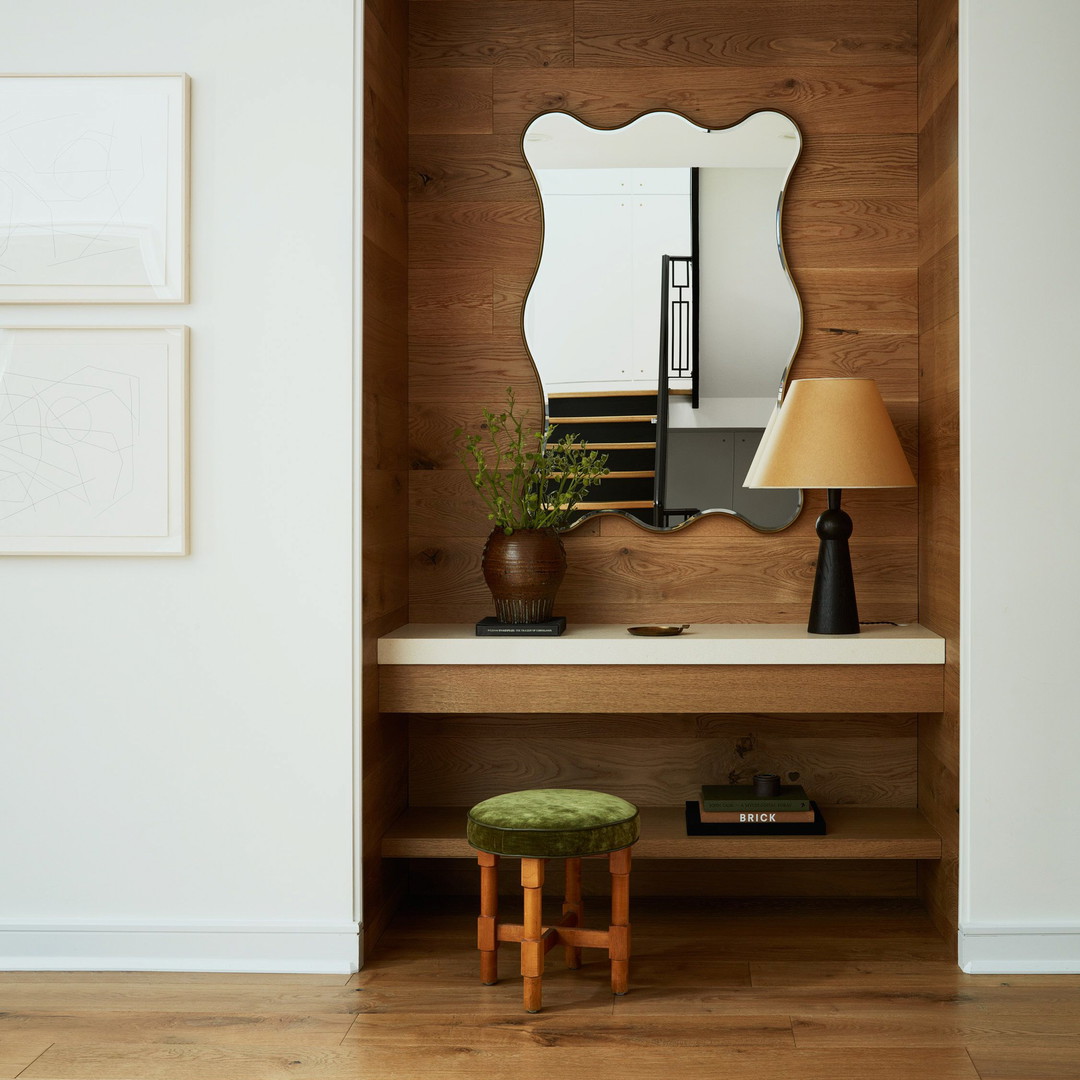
x: 657, y: 631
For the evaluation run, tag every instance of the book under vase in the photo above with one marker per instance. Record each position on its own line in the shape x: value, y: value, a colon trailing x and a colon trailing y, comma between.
x: 492, y: 627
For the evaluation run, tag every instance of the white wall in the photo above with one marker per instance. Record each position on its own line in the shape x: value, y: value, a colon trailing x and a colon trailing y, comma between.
x: 177, y: 758
x: 750, y: 321
x: 1020, y: 449
x: 592, y: 316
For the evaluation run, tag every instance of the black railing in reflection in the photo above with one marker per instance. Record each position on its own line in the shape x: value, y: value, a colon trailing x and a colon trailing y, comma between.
x: 677, y: 299
x: 678, y: 357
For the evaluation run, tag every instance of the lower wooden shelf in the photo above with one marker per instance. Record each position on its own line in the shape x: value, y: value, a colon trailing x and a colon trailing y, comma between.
x: 855, y: 832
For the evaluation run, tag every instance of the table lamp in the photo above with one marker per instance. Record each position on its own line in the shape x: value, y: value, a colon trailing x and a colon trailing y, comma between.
x: 833, y: 434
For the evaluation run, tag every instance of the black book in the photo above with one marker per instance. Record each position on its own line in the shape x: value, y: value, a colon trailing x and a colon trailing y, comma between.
x: 696, y: 827
x: 491, y: 627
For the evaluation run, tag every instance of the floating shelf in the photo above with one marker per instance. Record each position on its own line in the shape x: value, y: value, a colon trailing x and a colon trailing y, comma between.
x: 704, y: 644
x: 712, y: 668
x: 855, y: 832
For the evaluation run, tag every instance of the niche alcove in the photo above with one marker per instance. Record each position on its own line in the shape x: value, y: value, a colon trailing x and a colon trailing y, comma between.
x: 452, y: 234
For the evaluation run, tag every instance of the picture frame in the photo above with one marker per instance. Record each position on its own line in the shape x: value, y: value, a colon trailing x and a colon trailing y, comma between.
x: 94, y: 188
x: 93, y: 440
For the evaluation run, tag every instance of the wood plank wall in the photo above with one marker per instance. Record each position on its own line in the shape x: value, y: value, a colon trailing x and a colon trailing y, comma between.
x: 384, y: 455
x: 939, y: 430
x: 480, y: 70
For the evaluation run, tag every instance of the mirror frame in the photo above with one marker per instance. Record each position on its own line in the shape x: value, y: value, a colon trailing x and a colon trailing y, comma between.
x: 785, y: 374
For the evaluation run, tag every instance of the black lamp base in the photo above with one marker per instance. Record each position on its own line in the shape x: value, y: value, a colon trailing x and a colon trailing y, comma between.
x: 833, y: 609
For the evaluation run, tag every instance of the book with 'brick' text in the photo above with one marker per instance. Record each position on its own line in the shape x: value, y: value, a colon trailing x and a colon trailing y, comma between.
x: 696, y: 827
x: 752, y: 817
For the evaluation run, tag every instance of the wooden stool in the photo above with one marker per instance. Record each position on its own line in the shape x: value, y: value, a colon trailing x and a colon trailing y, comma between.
x: 553, y: 823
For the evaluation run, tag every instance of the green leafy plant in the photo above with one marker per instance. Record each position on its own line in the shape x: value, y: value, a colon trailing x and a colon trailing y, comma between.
x: 527, y: 480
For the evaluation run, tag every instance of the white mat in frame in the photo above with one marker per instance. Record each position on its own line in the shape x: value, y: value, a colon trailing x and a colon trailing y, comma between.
x: 93, y: 440
x: 93, y: 188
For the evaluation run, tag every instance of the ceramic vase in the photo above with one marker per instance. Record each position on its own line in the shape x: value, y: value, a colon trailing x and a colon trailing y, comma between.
x: 524, y: 570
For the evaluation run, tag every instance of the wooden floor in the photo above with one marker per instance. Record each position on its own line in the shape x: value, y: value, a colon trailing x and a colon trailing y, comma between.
x: 744, y: 990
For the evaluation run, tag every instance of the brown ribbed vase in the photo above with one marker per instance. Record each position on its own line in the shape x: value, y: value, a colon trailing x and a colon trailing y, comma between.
x: 524, y: 571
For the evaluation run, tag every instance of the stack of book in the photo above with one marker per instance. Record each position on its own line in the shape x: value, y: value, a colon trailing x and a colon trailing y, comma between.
x: 734, y: 810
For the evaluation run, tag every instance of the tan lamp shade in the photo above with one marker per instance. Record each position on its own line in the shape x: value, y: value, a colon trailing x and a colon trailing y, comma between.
x: 830, y: 433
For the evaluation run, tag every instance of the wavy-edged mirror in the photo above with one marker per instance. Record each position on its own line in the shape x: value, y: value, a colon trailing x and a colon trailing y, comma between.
x: 662, y: 318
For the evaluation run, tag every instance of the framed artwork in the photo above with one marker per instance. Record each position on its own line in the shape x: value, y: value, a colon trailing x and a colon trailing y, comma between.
x: 93, y: 441
x: 93, y: 188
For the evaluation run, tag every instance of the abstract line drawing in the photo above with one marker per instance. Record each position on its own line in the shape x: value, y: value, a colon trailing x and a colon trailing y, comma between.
x: 93, y: 188
x: 92, y: 440
x: 66, y: 440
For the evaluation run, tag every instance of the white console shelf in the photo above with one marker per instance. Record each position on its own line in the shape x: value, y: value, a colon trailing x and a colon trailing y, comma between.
x: 704, y: 643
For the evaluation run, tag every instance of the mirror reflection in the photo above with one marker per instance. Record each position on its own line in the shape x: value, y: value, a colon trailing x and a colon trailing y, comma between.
x: 662, y: 318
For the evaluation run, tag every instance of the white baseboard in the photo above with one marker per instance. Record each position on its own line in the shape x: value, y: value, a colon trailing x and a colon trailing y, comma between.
x: 989, y: 949
x: 323, y: 948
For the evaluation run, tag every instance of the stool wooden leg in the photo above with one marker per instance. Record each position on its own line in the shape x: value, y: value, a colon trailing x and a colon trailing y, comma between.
x: 532, y: 945
x: 487, y: 925
x: 619, y: 930
x: 573, y: 903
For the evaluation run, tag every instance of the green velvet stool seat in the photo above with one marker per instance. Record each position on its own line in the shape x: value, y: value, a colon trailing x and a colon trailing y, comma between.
x: 553, y: 823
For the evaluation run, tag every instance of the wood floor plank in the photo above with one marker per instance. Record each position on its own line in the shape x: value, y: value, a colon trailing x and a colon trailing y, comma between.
x: 17, y: 1050
x: 814, y: 975
x: 459, y: 974
x: 530, y: 1058
x: 577, y: 992
x: 327, y: 1002
x: 866, y: 1014
x: 158, y: 1061
x: 579, y: 1029
x: 242, y: 1025
x: 1005, y: 1060
x: 900, y: 1024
